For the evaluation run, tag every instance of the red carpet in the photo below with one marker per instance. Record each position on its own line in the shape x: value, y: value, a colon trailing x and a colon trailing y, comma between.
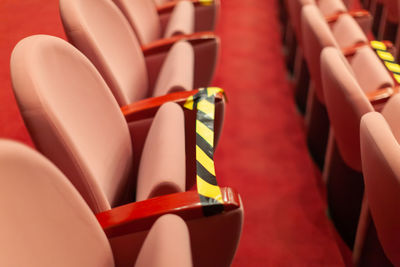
x: 262, y: 152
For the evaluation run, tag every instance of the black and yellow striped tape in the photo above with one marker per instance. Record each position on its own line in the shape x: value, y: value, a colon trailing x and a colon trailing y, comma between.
x: 388, y: 59
x: 206, y: 2
x: 207, y: 186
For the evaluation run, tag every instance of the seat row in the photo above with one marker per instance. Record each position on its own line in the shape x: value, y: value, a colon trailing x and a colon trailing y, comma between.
x: 124, y: 138
x: 353, y: 81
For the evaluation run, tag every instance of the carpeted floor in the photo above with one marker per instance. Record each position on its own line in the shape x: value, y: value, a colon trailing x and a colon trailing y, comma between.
x: 262, y: 152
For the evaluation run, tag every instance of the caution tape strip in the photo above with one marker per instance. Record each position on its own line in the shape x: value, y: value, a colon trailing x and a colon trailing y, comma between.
x: 388, y: 60
x: 207, y: 186
x: 206, y: 2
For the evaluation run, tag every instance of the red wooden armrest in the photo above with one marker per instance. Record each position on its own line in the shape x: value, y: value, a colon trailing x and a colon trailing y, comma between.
x: 165, y: 44
x: 140, y: 216
x: 147, y: 108
x: 168, y: 7
x: 354, y: 13
x: 382, y: 95
x: 351, y: 50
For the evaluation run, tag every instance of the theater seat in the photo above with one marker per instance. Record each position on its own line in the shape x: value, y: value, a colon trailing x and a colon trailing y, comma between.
x: 206, y: 12
x: 45, y: 222
x: 345, y: 89
x: 74, y: 120
x: 100, y: 31
x: 346, y: 102
x: 326, y: 7
x: 143, y: 17
x: 317, y: 34
x: 380, y: 154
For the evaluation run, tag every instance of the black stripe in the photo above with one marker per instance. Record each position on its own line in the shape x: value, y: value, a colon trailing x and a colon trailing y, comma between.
x: 210, y: 99
x: 205, y: 174
x: 205, y: 146
x: 206, y: 120
x: 203, y: 117
x: 210, y: 206
x: 387, y: 60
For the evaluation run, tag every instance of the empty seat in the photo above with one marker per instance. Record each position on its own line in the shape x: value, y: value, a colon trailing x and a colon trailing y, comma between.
x: 380, y: 154
x: 206, y: 12
x: 100, y: 31
x: 45, y: 222
x: 346, y: 102
x: 74, y: 120
x: 317, y: 34
x: 326, y: 7
x: 142, y: 16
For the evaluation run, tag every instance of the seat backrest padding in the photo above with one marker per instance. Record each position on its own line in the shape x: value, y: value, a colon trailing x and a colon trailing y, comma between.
x: 44, y: 221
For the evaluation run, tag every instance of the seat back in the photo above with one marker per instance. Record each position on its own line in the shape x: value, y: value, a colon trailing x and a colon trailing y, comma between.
x: 45, y: 222
x: 331, y: 7
x: 72, y: 117
x: 346, y: 103
x: 294, y: 11
x: 369, y: 70
x: 143, y: 17
x: 100, y: 31
x: 380, y: 152
x: 316, y: 36
x: 347, y: 31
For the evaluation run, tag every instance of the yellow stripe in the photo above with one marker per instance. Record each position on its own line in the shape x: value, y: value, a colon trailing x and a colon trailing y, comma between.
x: 385, y: 55
x: 208, y: 190
x: 396, y: 77
x: 205, y: 132
x: 204, y: 160
x: 206, y: 2
x: 378, y: 45
x: 393, y: 67
x: 189, y: 103
x: 206, y: 107
x: 214, y: 90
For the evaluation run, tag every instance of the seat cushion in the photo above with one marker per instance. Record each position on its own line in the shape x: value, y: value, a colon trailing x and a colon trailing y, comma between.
x: 167, y: 244
x: 177, y: 71
x: 181, y: 20
x: 44, y: 220
x: 162, y: 167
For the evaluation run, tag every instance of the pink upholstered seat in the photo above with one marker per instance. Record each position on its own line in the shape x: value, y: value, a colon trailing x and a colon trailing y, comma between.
x: 45, y: 222
x: 100, y: 31
x: 369, y: 71
x: 345, y: 87
x: 74, y: 120
x: 346, y: 102
x: 380, y: 153
x: 206, y: 13
x: 326, y: 7
x: 143, y: 17
x: 317, y: 35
